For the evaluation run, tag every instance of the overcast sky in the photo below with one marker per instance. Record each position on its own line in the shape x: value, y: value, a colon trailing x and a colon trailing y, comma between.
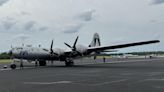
x: 117, y: 21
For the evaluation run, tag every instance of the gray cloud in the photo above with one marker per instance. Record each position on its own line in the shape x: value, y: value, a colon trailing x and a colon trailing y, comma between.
x: 43, y: 28
x: 112, y: 21
x: 79, y: 22
x: 34, y: 26
x: 153, y: 21
x: 24, y: 13
x: 86, y: 16
x: 73, y: 28
x: 2, y: 2
x: 157, y: 1
x: 8, y: 23
x: 29, y: 25
x: 22, y: 37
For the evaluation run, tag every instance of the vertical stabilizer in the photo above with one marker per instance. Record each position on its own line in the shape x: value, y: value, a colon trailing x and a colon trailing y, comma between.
x: 95, y: 41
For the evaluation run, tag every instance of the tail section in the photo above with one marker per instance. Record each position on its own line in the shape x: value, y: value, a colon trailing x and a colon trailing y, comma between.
x: 95, y: 41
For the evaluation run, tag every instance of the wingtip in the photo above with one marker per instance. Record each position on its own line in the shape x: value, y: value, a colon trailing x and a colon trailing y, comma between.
x: 157, y: 41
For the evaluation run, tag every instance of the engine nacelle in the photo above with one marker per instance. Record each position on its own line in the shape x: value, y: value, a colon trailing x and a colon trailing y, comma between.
x: 58, y: 51
x: 82, y: 49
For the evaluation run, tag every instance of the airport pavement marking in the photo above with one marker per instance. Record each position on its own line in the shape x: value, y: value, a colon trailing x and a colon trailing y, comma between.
x: 153, y: 79
x: 155, y: 73
x: 110, y: 82
x: 99, y: 83
x: 48, y: 83
x: 76, y: 82
x: 5, y: 69
x: 147, y: 80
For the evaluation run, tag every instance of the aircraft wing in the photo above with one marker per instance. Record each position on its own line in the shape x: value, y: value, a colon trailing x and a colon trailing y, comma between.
x: 92, y: 49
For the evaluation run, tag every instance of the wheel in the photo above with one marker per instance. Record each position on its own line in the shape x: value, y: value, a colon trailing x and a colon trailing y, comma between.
x: 13, y: 66
x: 66, y: 63
x: 42, y: 63
x: 69, y: 63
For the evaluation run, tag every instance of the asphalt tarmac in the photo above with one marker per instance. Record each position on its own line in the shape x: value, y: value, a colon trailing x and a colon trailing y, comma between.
x: 115, y: 75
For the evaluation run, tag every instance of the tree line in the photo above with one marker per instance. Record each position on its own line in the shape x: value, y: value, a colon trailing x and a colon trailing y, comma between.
x: 4, y: 56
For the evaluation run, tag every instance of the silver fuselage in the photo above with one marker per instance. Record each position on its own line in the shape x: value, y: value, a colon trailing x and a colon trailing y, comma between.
x: 31, y: 53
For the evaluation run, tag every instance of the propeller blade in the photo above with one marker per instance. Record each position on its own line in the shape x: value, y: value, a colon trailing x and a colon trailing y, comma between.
x: 51, y: 49
x: 51, y: 46
x: 68, y: 45
x: 55, y: 54
x: 74, y: 45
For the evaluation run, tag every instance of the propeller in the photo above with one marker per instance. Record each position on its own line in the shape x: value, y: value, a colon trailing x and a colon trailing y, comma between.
x: 51, y: 49
x: 74, y: 45
x: 73, y: 48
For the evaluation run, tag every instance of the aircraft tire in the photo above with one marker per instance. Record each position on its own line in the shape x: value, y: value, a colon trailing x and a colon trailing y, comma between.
x: 69, y: 63
x: 42, y: 63
x: 13, y: 66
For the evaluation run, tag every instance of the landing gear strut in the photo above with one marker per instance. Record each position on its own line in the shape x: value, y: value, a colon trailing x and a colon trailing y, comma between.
x: 69, y: 62
x: 21, y: 64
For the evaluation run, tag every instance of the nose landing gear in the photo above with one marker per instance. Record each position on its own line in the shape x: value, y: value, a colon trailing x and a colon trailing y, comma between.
x: 13, y: 66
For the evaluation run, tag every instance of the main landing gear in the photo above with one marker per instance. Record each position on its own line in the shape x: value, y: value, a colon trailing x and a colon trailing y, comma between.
x: 42, y: 63
x: 13, y: 66
x: 69, y: 62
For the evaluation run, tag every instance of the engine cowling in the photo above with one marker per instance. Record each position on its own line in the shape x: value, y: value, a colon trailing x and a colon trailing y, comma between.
x: 80, y: 48
x: 58, y: 51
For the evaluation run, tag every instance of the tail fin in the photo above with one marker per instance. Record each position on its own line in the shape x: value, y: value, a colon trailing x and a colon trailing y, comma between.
x: 95, y: 41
